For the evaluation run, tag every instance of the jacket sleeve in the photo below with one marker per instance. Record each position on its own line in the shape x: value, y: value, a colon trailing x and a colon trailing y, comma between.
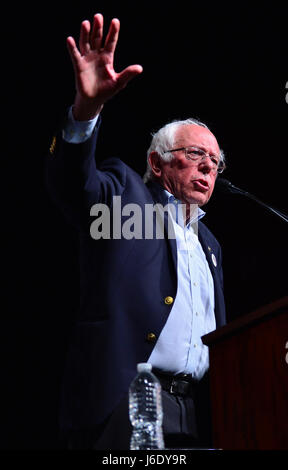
x: 75, y: 183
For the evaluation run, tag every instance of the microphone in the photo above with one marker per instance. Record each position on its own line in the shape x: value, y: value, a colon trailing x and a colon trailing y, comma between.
x: 227, y: 187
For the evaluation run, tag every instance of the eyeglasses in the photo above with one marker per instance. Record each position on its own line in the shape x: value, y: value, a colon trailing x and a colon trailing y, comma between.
x: 198, y: 155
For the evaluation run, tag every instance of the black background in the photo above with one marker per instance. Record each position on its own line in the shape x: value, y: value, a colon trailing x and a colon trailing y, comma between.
x: 226, y: 65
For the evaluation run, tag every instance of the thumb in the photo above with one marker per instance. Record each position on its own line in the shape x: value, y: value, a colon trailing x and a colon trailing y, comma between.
x: 127, y: 74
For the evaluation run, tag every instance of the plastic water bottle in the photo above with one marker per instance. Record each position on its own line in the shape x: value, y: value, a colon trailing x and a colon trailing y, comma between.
x: 145, y: 410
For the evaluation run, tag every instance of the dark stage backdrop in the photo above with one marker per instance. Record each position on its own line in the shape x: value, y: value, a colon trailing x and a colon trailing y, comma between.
x: 226, y: 65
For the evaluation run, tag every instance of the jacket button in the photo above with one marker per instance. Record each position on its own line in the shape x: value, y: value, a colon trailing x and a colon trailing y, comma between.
x: 151, y: 337
x: 52, y: 146
x: 168, y: 300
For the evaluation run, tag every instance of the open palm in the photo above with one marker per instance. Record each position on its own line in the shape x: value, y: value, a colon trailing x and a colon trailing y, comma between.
x: 96, y: 79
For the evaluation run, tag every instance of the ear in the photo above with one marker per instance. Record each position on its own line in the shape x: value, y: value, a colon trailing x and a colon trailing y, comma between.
x: 155, y: 163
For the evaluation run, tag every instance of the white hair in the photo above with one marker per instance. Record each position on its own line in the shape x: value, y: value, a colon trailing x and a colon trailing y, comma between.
x: 163, y: 139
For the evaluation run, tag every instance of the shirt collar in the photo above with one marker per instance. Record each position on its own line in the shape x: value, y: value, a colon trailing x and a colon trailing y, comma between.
x: 165, y: 197
x: 195, y: 216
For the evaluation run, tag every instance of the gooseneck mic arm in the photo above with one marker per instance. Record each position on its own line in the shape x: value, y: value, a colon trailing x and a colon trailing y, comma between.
x: 227, y: 187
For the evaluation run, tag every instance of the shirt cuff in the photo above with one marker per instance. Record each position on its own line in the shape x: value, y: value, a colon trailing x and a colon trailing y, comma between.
x: 76, y: 132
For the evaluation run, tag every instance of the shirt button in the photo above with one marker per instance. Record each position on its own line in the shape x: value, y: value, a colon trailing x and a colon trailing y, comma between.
x: 195, y: 345
x: 194, y: 283
x: 168, y: 300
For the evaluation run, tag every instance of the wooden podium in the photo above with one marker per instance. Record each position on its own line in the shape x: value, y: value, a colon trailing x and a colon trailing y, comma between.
x: 249, y: 380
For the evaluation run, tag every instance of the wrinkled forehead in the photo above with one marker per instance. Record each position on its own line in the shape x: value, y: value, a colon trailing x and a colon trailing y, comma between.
x: 197, y: 136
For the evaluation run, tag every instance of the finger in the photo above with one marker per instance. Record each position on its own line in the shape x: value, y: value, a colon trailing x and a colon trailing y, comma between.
x: 97, y: 32
x: 84, y: 42
x: 127, y: 74
x: 73, y: 50
x: 112, y: 36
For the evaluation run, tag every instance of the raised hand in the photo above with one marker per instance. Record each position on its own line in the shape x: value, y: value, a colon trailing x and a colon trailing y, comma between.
x: 96, y: 79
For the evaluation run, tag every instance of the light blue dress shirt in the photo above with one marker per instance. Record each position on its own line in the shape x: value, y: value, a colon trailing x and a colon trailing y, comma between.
x: 76, y: 132
x: 179, y: 348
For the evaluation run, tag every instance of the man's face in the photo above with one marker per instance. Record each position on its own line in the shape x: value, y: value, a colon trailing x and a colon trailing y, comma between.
x: 188, y: 181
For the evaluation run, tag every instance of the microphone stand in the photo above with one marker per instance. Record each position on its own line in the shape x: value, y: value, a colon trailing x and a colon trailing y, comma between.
x: 228, y: 186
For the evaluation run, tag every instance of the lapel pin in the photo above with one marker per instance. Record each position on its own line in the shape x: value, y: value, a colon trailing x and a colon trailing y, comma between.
x: 214, y: 259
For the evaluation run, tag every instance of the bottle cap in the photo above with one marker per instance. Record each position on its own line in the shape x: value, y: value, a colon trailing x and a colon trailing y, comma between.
x: 144, y: 367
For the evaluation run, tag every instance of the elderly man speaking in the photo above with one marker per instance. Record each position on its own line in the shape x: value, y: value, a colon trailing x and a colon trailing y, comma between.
x: 143, y: 298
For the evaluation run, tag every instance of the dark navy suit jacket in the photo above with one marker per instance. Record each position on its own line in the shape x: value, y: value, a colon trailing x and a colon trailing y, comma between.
x: 124, y: 283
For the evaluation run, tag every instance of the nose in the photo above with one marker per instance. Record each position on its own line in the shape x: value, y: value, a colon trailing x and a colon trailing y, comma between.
x: 206, y: 164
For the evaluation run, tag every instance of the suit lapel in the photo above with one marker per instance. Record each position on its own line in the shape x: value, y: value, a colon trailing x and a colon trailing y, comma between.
x: 171, y: 240
x: 214, y: 268
x: 210, y: 256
